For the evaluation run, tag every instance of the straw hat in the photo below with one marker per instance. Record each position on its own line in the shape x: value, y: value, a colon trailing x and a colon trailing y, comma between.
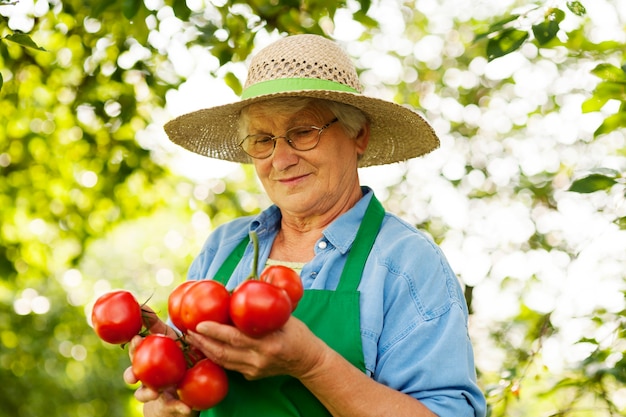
x: 305, y: 66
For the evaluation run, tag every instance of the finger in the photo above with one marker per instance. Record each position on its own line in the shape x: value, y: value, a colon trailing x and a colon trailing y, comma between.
x: 167, y: 404
x: 129, y: 376
x: 237, y: 353
x: 155, y: 325
x: 211, y: 348
x: 217, y: 331
x: 132, y: 346
x: 216, y: 337
x: 152, y: 321
x: 222, y: 353
x: 206, y: 328
x: 144, y: 394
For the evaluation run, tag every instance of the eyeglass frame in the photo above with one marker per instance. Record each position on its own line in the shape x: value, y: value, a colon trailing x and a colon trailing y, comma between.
x: 274, y: 139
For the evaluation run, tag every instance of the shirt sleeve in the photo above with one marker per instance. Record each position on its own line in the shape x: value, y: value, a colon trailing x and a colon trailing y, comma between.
x: 424, y: 349
x: 218, y: 245
x: 433, y: 362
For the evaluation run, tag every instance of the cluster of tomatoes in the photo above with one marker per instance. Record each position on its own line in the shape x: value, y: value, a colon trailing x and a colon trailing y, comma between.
x: 257, y: 307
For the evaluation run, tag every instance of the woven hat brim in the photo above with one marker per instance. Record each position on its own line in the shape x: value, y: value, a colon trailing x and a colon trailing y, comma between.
x: 397, y: 133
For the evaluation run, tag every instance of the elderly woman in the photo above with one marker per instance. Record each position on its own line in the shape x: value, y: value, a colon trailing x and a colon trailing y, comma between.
x: 382, y: 327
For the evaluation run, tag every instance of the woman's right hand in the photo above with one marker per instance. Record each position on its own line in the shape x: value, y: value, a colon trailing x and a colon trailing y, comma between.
x: 156, y: 404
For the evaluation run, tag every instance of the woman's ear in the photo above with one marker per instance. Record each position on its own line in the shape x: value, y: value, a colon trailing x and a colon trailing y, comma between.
x: 362, y: 138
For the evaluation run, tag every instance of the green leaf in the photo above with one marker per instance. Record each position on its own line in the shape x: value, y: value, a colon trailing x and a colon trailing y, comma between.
x: 365, y: 5
x: 621, y: 222
x: 611, y: 90
x: 592, y: 183
x: 614, y: 89
x: 181, y: 10
x: 610, y: 72
x: 233, y: 82
x: 594, y: 103
x: 23, y: 40
x: 546, y: 31
x: 577, y: 8
x: 555, y: 15
x: 365, y: 19
x: 130, y: 8
x: 604, y: 92
x: 496, y: 27
x: 1, y: 81
x: 611, y: 123
x: 588, y: 340
x: 506, y: 42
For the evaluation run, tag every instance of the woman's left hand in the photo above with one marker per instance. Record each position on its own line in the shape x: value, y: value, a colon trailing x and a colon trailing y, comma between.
x: 292, y: 350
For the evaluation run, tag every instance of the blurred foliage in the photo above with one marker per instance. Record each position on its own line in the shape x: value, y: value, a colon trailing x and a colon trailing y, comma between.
x: 505, y: 36
x: 75, y: 92
x: 85, y: 206
x: 596, y: 386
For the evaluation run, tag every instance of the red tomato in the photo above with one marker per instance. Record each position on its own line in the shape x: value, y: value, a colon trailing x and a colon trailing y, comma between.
x: 174, y: 304
x: 203, y: 386
x: 258, y: 308
x: 116, y: 317
x: 285, y: 278
x: 159, y: 362
x: 205, y: 300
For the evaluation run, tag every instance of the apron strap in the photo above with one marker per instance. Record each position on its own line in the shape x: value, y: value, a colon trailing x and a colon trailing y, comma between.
x: 362, y: 246
x: 228, y: 267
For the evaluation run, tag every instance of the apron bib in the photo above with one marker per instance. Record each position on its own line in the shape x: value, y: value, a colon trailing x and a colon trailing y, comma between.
x: 333, y: 316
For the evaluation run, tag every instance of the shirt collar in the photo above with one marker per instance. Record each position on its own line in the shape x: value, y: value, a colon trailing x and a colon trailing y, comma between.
x: 340, y: 233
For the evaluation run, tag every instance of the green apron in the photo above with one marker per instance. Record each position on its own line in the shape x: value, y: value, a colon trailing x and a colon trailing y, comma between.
x: 334, y: 316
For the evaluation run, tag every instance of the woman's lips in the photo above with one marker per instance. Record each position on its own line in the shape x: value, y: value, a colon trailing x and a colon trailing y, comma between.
x: 292, y: 180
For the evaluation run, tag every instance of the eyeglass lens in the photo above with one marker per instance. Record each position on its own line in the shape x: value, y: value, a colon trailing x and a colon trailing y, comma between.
x: 301, y: 138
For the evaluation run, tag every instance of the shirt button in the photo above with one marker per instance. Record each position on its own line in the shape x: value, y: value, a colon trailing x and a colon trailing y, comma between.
x: 322, y: 244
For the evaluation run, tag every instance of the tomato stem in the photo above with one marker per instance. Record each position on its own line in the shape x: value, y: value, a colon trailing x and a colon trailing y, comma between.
x: 255, y: 257
x: 145, y: 303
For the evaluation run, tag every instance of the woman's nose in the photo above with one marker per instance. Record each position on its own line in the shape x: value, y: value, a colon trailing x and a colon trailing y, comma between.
x: 284, y: 155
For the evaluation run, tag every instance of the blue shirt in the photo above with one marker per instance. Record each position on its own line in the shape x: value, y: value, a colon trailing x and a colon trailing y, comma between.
x: 413, y: 313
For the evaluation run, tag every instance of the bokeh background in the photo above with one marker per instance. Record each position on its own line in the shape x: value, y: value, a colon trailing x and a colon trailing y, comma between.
x: 526, y: 195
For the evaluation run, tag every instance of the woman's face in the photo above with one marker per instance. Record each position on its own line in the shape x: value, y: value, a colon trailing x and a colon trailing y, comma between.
x: 309, y: 183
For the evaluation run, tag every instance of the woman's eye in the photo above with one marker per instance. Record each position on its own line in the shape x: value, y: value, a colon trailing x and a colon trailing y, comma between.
x: 301, y: 132
x: 261, y: 140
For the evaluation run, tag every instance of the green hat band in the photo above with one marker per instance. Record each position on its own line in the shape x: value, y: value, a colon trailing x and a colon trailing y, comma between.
x: 283, y: 85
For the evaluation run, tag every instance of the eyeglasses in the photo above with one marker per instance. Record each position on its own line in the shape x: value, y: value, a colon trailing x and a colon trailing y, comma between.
x: 300, y: 138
